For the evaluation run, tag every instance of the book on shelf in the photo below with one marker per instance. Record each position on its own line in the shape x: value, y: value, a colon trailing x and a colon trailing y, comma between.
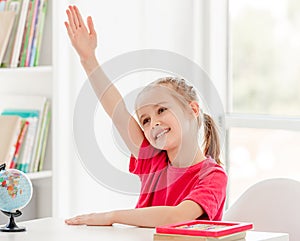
x: 19, y: 143
x: 42, y: 136
x: 26, y: 154
x: 6, y: 25
x: 35, y: 114
x: 202, y: 230
x: 25, y: 35
x: 9, y: 132
x: 36, y: 48
x: 24, y: 44
x: 2, y: 5
x: 33, y: 30
x: 28, y: 31
x: 20, y: 7
x: 44, y: 142
x: 12, y: 6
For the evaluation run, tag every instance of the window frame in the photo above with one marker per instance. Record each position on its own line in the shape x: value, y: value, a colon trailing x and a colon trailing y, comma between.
x: 219, y: 36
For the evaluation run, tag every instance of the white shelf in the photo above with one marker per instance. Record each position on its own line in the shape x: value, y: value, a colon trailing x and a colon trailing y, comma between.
x: 27, y: 80
x: 39, y: 175
x: 28, y: 70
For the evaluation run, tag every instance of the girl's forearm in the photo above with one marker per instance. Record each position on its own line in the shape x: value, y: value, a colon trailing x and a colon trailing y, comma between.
x: 89, y: 64
x: 143, y: 217
x: 146, y: 217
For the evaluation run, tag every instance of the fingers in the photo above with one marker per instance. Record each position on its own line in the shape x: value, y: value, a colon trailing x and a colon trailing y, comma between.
x: 70, y: 33
x: 71, y: 21
x: 91, y: 25
x: 78, y: 220
x: 75, y: 17
x: 76, y: 27
x: 79, y: 18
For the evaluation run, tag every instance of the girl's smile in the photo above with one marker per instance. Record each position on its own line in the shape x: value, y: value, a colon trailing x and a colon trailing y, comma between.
x: 162, y: 118
x: 159, y: 133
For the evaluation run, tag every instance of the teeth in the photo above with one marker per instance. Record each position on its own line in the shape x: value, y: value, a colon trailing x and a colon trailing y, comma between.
x: 163, y: 132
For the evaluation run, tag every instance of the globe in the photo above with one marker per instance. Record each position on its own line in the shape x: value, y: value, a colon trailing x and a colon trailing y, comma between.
x: 15, y: 190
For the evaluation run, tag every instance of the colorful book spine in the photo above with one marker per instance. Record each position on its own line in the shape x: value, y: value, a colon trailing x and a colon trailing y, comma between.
x: 2, y: 5
x: 26, y: 35
x: 23, y: 47
x: 19, y: 144
x: 7, y: 19
x: 36, y: 161
x: 34, y: 58
x: 32, y: 31
x: 14, y: 6
x: 25, y: 40
x: 44, y: 144
x: 38, y: 134
x: 10, y: 129
x: 26, y: 156
x: 14, y: 147
x: 19, y: 36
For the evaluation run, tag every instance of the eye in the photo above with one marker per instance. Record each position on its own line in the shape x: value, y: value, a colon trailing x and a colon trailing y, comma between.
x: 161, y: 110
x: 145, y: 121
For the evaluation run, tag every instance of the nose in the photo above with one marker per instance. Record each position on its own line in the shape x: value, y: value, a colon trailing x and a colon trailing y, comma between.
x: 155, y: 123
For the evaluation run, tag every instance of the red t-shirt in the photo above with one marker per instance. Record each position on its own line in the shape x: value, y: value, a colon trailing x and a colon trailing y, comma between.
x: 165, y: 185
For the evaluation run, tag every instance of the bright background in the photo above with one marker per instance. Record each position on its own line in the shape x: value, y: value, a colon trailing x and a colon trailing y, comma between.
x: 249, y: 48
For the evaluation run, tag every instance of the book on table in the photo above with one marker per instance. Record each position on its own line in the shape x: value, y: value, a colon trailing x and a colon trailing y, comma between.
x: 202, y: 230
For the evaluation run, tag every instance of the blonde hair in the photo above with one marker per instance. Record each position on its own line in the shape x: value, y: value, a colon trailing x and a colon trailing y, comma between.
x: 211, y: 140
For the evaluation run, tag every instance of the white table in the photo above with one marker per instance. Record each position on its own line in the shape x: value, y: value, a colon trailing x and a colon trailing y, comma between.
x: 51, y: 229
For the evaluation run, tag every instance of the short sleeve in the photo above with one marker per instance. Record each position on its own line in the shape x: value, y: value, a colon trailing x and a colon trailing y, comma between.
x: 210, y: 193
x: 149, y: 158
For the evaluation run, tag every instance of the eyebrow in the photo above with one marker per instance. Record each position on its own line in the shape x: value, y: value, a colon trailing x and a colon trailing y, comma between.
x: 156, y: 105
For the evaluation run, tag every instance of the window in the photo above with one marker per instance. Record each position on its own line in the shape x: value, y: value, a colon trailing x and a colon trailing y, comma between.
x: 265, y: 44
x: 263, y: 120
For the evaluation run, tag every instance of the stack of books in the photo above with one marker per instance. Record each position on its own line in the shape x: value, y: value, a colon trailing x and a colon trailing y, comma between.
x: 24, y: 128
x: 202, y: 230
x: 21, y: 30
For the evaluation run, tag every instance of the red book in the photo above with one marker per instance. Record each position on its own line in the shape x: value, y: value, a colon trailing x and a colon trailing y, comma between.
x: 19, y: 144
x: 204, y: 228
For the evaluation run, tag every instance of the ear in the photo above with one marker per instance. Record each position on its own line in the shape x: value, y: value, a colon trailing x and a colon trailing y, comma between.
x: 195, y: 108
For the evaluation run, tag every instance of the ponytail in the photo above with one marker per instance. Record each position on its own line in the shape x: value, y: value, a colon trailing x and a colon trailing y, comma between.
x: 211, y: 138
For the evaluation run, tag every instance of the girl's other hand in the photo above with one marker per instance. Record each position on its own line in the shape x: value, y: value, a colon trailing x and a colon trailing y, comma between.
x: 93, y: 219
x: 83, y: 40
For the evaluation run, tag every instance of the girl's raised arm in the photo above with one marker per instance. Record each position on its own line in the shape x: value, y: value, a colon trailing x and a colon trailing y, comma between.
x: 84, y: 40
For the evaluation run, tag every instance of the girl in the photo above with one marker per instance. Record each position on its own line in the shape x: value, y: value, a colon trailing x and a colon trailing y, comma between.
x: 179, y: 182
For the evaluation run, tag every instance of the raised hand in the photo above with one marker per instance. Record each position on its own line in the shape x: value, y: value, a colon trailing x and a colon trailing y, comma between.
x: 83, y: 40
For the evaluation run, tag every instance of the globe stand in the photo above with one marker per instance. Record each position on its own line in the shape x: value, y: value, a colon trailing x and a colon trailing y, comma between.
x: 12, y: 226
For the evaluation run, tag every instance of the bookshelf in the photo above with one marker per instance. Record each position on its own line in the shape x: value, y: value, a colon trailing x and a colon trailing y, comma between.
x: 36, y: 81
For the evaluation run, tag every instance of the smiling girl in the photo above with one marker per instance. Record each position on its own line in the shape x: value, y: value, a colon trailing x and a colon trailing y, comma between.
x: 179, y: 181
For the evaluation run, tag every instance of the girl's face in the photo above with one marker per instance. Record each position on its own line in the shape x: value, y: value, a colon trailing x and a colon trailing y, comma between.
x: 164, y: 120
